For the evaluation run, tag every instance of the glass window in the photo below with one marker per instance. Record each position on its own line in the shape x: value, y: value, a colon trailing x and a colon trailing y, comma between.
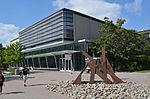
x: 67, y: 14
x: 68, y: 19
x: 69, y: 35
x: 51, y: 62
x: 68, y: 23
x: 36, y: 62
x: 68, y: 27
x: 30, y: 62
x: 43, y: 62
x: 69, y: 31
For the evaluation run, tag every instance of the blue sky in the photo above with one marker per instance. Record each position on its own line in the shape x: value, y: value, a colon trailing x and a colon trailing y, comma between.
x: 16, y: 15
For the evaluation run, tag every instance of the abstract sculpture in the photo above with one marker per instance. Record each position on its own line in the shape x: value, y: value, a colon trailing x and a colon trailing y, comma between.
x: 100, y: 69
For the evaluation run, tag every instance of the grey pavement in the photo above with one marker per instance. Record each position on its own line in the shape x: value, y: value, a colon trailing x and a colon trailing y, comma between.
x: 36, y: 86
x: 37, y: 81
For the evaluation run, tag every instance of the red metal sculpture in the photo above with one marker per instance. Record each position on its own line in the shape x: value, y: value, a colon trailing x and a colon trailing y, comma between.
x: 100, y: 69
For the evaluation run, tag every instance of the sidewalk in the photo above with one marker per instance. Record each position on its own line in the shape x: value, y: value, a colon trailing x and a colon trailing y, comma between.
x: 36, y: 87
x: 37, y: 81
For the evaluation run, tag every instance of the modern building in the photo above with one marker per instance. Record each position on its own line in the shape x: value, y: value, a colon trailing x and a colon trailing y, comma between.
x: 145, y: 32
x: 57, y: 41
x: 14, y: 40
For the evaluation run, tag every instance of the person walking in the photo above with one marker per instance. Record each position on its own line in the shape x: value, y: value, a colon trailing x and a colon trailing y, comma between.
x: 2, y: 79
x: 25, y: 72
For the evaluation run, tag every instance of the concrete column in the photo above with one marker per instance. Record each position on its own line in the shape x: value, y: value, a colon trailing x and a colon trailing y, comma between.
x: 62, y: 67
x: 46, y: 61
x: 55, y: 61
x: 33, y: 63
x: 27, y: 62
x: 72, y: 69
x: 39, y: 61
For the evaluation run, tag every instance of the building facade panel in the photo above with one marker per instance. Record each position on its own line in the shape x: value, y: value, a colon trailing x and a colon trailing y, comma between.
x: 86, y: 28
x: 53, y: 26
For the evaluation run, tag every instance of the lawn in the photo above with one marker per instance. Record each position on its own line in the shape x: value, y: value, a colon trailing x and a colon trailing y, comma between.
x: 144, y: 71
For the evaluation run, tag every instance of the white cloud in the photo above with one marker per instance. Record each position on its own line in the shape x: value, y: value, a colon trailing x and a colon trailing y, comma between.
x: 7, y: 33
x: 95, y: 8
x: 135, y: 6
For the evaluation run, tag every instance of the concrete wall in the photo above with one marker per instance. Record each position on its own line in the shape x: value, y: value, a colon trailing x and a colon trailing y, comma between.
x: 86, y: 28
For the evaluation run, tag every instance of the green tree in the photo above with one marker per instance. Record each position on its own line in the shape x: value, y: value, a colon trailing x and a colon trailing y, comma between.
x: 122, y: 46
x: 144, y: 57
x: 12, y: 54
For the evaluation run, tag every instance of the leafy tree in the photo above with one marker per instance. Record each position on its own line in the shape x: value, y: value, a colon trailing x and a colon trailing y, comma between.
x: 12, y: 54
x: 144, y: 57
x: 123, y: 46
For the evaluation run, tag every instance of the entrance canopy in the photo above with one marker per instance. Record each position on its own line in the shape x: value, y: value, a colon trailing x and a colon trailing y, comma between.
x: 47, y: 46
x: 52, y: 53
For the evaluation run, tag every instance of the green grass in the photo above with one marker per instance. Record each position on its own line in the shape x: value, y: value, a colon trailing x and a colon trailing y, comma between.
x: 144, y: 71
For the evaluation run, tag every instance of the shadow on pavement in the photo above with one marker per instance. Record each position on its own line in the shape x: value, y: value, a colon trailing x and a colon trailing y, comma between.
x: 14, y: 92
x: 10, y: 78
x: 37, y: 84
x: 86, y: 82
x: 33, y: 72
x: 30, y: 77
x: 124, y: 78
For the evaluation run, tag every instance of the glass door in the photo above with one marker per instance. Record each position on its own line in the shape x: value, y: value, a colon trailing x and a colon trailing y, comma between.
x: 65, y: 65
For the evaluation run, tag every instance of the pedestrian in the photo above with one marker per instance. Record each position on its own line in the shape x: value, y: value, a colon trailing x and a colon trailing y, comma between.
x: 2, y: 79
x: 25, y: 72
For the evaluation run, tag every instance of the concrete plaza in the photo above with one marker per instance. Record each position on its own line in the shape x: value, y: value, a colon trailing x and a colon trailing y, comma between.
x: 37, y: 81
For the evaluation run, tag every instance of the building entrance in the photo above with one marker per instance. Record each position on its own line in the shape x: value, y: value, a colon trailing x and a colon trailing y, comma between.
x: 65, y: 64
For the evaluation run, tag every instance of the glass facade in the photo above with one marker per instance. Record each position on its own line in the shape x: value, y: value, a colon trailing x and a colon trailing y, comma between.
x: 43, y: 62
x: 68, y: 26
x: 48, y: 62
x: 55, y: 60
x: 51, y: 62
x: 36, y: 62
x: 73, y: 46
x: 30, y: 62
